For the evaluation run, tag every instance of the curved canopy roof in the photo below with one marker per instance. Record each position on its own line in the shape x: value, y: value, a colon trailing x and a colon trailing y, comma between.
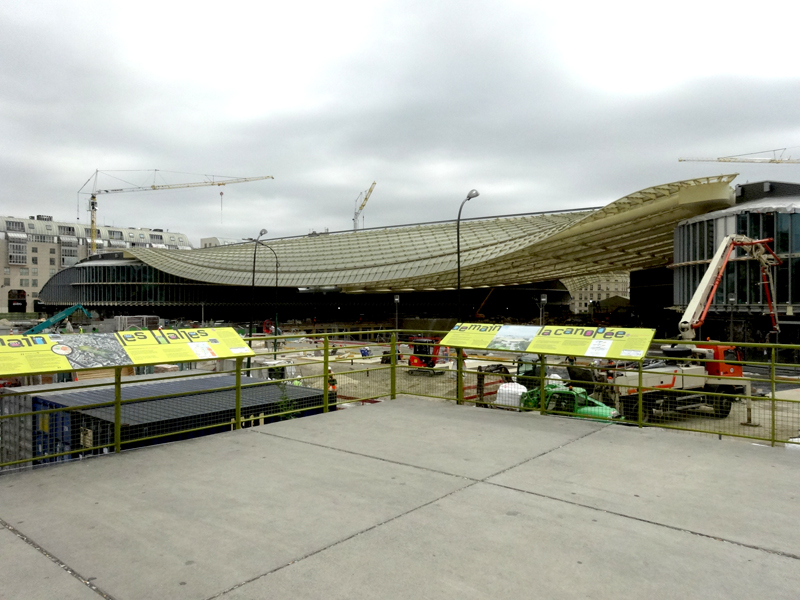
x: 631, y: 233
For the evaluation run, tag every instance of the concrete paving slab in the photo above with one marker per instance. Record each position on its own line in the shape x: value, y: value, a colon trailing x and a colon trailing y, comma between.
x: 26, y: 573
x: 486, y: 542
x: 461, y: 440
x: 190, y: 519
x: 740, y: 491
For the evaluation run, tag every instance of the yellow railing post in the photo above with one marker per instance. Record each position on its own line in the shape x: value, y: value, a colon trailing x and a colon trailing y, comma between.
x: 325, y: 385
x: 542, y: 375
x: 640, y: 402
x: 772, y: 385
x: 117, y: 409
x: 238, y: 416
x: 393, y: 372
x: 459, y: 376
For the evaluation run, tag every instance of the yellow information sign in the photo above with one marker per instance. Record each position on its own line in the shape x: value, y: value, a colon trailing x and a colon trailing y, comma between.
x: 40, y: 353
x: 620, y: 343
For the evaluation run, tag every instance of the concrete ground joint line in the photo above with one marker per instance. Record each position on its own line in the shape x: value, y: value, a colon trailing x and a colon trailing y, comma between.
x: 386, y: 460
x: 527, y: 460
x: 341, y: 541
x: 649, y: 522
x: 55, y: 560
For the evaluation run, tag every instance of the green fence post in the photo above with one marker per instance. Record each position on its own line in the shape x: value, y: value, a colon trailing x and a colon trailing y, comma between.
x: 325, y: 385
x: 772, y: 385
x: 117, y: 409
x: 459, y: 376
x: 542, y: 375
x: 393, y: 373
x: 640, y: 394
x: 238, y: 415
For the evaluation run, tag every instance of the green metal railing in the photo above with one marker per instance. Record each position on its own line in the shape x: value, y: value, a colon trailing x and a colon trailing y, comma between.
x: 332, y: 373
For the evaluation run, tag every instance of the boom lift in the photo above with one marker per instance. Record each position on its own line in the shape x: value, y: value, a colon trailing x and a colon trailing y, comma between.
x: 142, y: 188
x: 55, y: 320
x: 695, y: 313
x: 702, y: 368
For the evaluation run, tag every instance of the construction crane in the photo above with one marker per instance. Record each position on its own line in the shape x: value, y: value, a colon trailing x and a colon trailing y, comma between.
x: 143, y: 188
x: 742, y: 158
x: 357, y: 214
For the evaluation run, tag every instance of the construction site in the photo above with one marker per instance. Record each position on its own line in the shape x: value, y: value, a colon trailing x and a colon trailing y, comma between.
x: 460, y: 382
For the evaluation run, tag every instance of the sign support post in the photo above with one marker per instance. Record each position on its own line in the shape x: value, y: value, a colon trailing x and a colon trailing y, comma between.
x: 117, y: 409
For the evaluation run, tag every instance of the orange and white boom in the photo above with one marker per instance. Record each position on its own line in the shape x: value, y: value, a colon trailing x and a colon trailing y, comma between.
x: 696, y: 311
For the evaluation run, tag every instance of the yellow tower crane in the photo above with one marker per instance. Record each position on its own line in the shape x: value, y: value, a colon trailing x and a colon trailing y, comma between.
x: 357, y: 214
x: 218, y: 180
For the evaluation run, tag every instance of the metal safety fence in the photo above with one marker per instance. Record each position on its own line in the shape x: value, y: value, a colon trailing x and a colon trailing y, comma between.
x: 743, y: 390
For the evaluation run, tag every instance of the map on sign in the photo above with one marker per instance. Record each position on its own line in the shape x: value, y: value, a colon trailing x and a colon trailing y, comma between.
x: 620, y: 343
x: 33, y: 354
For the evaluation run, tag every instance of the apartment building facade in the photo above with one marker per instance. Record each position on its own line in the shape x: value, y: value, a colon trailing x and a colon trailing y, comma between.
x: 602, y: 289
x: 34, y: 249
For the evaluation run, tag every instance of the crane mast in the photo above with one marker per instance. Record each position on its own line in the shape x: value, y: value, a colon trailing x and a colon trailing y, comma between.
x: 95, y: 192
x: 357, y: 213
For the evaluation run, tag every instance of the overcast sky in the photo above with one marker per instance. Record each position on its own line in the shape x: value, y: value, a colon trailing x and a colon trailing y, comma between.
x: 538, y: 107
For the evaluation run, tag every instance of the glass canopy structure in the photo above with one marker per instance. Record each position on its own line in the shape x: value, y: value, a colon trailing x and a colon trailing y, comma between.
x: 634, y: 232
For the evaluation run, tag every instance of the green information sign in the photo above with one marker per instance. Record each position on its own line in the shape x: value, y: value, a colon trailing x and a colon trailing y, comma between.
x: 34, y: 354
x: 619, y: 343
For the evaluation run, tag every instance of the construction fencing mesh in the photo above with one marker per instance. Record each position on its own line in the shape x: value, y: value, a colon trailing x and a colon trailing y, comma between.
x: 748, y: 391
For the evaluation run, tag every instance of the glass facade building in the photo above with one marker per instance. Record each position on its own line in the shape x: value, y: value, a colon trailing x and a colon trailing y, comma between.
x: 764, y: 210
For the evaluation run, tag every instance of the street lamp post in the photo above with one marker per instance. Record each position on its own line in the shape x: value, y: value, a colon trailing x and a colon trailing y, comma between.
x: 275, y: 338
x: 256, y: 242
x: 472, y: 194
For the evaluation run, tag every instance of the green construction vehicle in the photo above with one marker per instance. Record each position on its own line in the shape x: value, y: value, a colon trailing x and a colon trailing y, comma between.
x: 571, y: 400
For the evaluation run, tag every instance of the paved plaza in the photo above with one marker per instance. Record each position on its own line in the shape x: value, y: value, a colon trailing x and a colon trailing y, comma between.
x: 410, y: 499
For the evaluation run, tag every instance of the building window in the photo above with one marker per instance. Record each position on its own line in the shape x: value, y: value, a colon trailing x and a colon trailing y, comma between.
x: 7, y: 281
x: 23, y: 283
x: 172, y: 238
x: 6, y: 270
x: 34, y: 282
x: 24, y: 271
x: 44, y: 239
x: 35, y: 260
x: 34, y: 249
x: 35, y: 294
x: 49, y: 227
x: 180, y: 239
x: 15, y: 226
x: 52, y: 272
x: 31, y: 226
x: 130, y: 235
x: 52, y: 250
x: 34, y: 271
x: 66, y: 230
x: 52, y: 261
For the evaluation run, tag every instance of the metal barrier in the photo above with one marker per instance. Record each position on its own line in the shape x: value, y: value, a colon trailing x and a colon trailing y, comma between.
x: 694, y: 393
x: 42, y: 424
